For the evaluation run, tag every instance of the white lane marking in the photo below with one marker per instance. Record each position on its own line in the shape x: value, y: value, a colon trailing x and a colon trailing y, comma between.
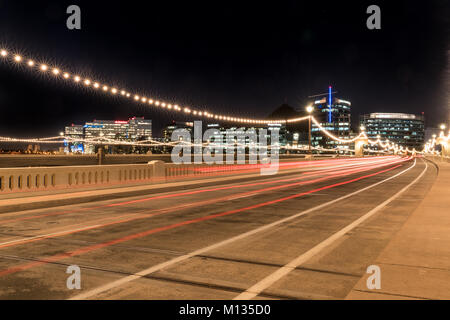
x: 241, y: 197
x: 171, y: 262
x: 268, y: 281
x: 26, y: 239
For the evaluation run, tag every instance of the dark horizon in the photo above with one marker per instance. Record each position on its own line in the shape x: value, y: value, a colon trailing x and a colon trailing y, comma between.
x: 240, y: 59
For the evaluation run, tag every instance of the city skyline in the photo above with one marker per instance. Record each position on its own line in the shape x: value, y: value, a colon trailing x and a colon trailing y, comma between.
x: 363, y: 65
x: 218, y: 158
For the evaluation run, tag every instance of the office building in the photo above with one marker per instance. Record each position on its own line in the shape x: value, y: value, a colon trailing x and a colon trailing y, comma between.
x: 404, y: 129
x: 131, y: 130
x: 333, y: 114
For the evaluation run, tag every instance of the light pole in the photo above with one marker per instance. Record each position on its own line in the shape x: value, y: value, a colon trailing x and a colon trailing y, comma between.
x: 61, y: 149
x: 443, y: 142
x: 100, y: 150
x: 442, y: 126
x: 309, y: 109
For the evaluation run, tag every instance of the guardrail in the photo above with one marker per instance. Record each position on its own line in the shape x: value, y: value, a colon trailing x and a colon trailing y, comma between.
x: 32, y: 179
x: 63, y: 177
x: 47, y: 178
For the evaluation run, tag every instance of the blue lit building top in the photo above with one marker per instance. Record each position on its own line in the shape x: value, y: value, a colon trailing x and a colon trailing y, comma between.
x: 334, y: 114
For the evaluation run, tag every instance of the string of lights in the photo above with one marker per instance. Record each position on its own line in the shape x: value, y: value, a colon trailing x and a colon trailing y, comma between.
x: 32, y: 140
x: 332, y: 136
x: 386, y: 145
x: 88, y: 82
x: 154, y: 143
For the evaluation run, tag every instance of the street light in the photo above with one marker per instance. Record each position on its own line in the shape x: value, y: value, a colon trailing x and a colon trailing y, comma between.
x: 442, y: 126
x: 100, y: 150
x: 309, y: 109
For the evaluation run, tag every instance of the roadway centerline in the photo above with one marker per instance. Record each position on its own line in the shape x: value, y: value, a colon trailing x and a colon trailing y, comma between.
x: 203, y: 250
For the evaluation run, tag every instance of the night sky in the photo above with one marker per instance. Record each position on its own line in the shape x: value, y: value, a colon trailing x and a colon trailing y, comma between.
x: 225, y: 56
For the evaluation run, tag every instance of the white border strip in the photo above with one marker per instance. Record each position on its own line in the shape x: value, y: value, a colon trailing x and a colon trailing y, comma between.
x: 171, y: 262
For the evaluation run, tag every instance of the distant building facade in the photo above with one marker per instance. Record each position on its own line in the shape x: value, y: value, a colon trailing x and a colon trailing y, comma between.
x: 169, y: 129
x: 218, y: 133
x: 75, y: 132
x: 404, y: 129
x: 131, y: 130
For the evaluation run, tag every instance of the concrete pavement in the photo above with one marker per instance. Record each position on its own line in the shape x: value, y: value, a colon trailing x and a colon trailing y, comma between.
x: 416, y: 262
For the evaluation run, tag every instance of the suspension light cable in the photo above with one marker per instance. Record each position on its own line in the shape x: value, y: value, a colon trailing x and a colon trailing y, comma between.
x: 144, y: 99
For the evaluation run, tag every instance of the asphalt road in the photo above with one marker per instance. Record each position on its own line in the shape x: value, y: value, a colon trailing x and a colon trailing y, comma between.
x: 309, y: 235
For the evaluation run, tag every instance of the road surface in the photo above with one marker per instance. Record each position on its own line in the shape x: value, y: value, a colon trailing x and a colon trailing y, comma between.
x: 307, y: 235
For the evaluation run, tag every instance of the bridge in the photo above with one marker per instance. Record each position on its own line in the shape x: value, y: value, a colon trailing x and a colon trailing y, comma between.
x: 148, y: 228
x: 165, y: 231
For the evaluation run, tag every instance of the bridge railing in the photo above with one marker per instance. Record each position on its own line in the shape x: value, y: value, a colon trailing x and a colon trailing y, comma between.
x: 51, y: 178
x: 32, y: 179
x: 35, y: 179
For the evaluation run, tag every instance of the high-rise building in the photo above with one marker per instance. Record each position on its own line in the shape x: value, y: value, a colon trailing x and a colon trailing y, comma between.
x: 133, y: 129
x: 139, y: 128
x: 334, y: 115
x: 404, y: 129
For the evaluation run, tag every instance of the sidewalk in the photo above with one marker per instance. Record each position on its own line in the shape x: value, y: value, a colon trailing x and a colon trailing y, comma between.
x: 416, y: 263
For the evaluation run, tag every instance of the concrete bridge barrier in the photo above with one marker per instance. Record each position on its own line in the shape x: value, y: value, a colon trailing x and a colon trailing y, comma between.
x: 34, y: 179
x: 50, y: 178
